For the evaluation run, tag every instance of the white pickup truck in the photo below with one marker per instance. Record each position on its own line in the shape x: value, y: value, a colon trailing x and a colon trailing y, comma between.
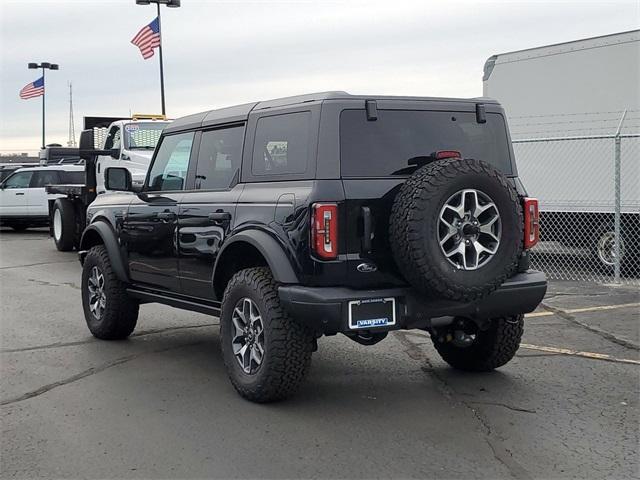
x: 24, y: 201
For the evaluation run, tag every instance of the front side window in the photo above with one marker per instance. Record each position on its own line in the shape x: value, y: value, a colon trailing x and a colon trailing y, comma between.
x: 113, y: 139
x: 44, y: 178
x: 282, y: 144
x: 219, y: 158
x: 169, y: 170
x: 19, y: 180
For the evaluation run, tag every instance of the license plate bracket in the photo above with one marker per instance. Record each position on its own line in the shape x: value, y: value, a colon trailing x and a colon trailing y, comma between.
x: 372, y: 313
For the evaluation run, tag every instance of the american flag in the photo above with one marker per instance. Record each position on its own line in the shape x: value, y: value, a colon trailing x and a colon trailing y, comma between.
x: 33, y: 89
x: 148, y: 38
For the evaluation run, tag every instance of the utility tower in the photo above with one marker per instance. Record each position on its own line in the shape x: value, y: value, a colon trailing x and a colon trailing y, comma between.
x: 72, y: 129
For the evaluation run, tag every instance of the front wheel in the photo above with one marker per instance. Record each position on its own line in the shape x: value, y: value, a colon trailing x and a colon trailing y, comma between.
x: 267, y: 354
x: 464, y: 346
x: 111, y: 314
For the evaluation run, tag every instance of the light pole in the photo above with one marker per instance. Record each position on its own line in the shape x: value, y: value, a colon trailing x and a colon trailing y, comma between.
x: 170, y: 4
x: 44, y: 66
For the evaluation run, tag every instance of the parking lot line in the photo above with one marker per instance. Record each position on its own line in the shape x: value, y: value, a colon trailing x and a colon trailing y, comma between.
x: 578, y: 353
x: 585, y: 309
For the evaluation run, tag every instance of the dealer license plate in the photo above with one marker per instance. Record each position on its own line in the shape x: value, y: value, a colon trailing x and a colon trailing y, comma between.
x: 372, y: 313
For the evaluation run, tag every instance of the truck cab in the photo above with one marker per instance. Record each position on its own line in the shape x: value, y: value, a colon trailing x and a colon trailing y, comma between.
x: 132, y: 142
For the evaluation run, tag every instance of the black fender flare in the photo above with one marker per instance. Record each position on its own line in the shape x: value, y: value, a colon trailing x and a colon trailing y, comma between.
x: 271, y: 250
x: 110, y: 241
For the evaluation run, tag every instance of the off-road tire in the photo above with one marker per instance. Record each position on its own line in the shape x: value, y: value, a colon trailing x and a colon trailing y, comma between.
x: 288, y: 344
x: 413, y: 229
x: 121, y: 311
x: 66, y: 239
x: 492, y: 348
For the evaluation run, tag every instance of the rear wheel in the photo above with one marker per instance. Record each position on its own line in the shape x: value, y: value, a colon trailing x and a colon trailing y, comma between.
x: 466, y: 347
x: 64, y: 224
x: 267, y: 354
x: 109, y: 311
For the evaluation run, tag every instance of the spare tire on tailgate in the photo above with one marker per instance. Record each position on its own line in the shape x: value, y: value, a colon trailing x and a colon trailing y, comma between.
x: 456, y: 229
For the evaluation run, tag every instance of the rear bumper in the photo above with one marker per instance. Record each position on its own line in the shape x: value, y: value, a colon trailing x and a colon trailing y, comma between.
x: 325, y: 309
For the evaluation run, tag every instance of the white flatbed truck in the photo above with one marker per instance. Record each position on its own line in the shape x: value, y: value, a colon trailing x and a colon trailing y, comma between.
x: 105, y: 142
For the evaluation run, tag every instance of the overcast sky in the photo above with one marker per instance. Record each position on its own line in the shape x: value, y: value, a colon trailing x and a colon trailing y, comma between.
x: 220, y: 53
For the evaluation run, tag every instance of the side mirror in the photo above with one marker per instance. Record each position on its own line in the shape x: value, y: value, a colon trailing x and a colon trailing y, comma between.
x: 115, y: 153
x: 86, y: 144
x: 118, y: 179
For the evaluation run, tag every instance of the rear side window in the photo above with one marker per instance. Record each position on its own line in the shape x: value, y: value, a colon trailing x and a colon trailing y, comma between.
x: 383, y: 147
x: 42, y: 178
x: 282, y: 144
x: 219, y: 158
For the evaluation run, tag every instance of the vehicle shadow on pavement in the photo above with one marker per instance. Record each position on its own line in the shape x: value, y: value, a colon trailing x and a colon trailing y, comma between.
x: 29, y: 231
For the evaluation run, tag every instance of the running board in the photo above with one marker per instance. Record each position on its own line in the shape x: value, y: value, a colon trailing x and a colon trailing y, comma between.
x: 209, y: 308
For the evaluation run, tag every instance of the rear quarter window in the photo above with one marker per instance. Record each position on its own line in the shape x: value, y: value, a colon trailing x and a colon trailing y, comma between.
x: 281, y: 145
x: 383, y: 147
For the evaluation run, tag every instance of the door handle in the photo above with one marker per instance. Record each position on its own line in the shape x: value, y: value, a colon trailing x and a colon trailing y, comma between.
x: 366, y: 234
x: 19, y: 193
x: 219, y: 217
x: 166, y: 216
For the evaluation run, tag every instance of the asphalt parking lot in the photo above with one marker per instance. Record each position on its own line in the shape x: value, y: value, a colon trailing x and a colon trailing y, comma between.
x: 160, y: 405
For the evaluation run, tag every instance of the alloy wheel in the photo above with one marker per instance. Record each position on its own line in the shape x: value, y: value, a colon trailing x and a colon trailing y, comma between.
x: 469, y: 229
x: 97, y: 295
x: 248, y: 337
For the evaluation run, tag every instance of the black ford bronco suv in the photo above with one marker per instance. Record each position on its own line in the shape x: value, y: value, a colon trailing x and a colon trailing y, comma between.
x: 322, y: 214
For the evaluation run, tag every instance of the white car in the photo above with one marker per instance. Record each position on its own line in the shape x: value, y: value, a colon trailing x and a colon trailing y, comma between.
x: 24, y: 202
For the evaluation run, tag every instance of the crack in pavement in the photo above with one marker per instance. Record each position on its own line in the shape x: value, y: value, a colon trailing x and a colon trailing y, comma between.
x: 36, y: 264
x: 93, y: 340
x: 50, y: 284
x: 536, y: 355
x: 510, y: 407
x: 86, y: 373
x: 552, y: 296
x: 496, y: 443
x: 598, y: 331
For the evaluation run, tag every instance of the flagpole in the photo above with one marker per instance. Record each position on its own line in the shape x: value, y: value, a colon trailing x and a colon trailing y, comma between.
x: 44, y: 92
x: 161, y: 66
x: 44, y: 66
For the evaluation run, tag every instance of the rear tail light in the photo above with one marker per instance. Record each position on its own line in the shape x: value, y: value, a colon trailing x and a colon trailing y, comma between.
x: 324, y: 230
x: 531, y: 222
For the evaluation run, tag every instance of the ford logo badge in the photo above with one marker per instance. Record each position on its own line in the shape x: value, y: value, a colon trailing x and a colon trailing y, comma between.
x: 367, y: 268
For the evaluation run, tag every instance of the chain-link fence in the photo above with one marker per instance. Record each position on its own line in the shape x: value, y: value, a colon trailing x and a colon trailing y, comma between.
x: 589, y: 192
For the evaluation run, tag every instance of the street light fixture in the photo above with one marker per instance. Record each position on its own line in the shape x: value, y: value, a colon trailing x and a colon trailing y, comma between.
x: 170, y: 4
x: 44, y: 66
